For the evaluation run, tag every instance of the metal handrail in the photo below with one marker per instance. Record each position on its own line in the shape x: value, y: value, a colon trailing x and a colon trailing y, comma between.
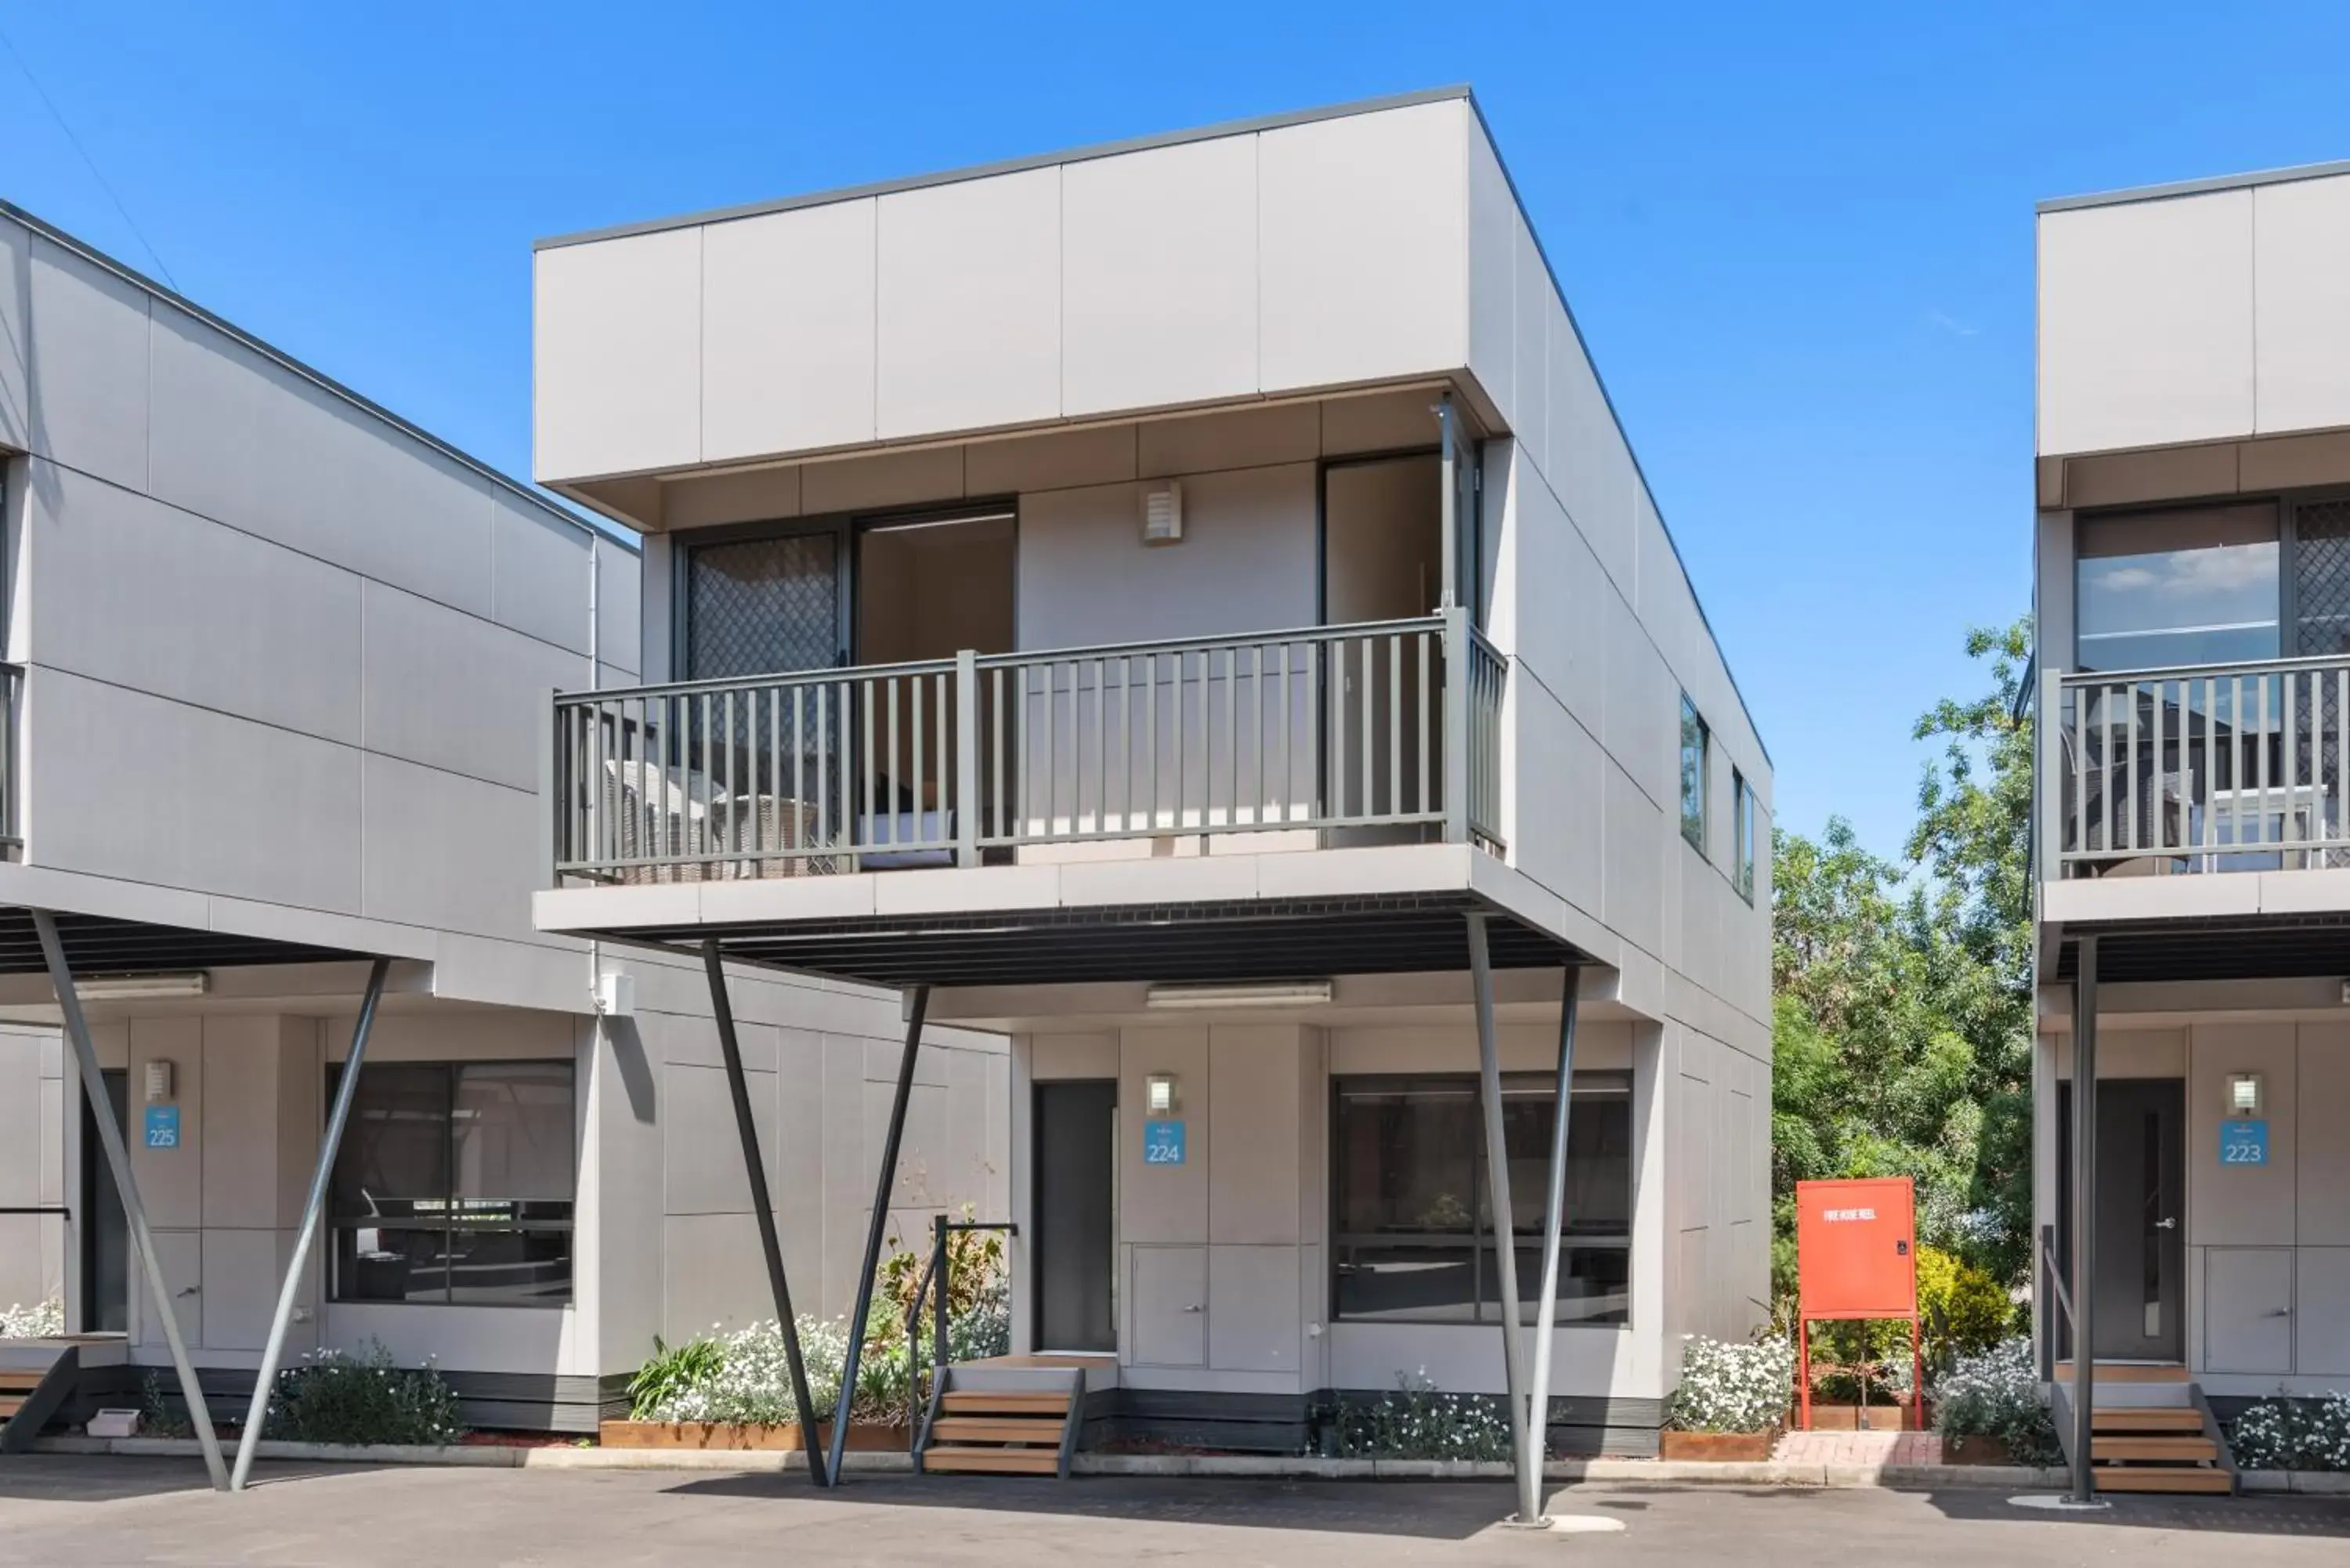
x: 1383, y: 725
x: 933, y: 1286
x: 12, y: 685
x: 2196, y: 768
x: 2059, y: 1299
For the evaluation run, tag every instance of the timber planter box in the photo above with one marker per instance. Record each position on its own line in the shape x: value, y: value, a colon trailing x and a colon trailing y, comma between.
x: 863, y: 1437
x: 1720, y: 1448
x: 1976, y: 1450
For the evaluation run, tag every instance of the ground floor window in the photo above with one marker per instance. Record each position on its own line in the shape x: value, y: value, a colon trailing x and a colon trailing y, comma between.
x: 1414, y: 1227
x: 454, y: 1185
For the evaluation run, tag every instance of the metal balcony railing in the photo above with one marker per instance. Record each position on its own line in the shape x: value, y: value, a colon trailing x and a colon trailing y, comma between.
x: 12, y: 690
x: 2197, y: 770
x: 1328, y: 732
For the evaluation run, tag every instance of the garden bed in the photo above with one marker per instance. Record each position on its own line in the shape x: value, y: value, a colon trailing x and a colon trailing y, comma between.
x: 863, y: 1437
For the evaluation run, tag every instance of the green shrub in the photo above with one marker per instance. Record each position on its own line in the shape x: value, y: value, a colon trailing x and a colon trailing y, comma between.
x: 1966, y: 1310
x: 670, y: 1373
x: 338, y: 1397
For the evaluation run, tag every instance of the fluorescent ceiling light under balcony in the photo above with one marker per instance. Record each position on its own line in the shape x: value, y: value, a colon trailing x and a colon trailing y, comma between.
x: 1284, y: 994
x: 134, y: 987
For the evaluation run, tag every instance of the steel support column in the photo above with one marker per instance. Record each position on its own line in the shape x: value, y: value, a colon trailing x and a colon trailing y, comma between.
x: 1505, y: 1250
x: 1554, y: 1222
x: 2084, y: 1219
x: 338, y: 1119
x: 882, y: 1187
x: 721, y: 1009
x: 118, y: 1160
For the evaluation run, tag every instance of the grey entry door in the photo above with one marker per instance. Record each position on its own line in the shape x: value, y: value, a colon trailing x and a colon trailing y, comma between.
x: 2141, y: 1208
x: 1072, y: 1203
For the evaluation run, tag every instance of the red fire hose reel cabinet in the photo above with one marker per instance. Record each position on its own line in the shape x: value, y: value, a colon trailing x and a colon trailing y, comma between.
x: 1857, y: 1258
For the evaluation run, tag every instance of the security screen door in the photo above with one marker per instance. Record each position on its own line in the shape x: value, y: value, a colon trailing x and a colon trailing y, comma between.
x: 1073, y: 1202
x: 2141, y: 1262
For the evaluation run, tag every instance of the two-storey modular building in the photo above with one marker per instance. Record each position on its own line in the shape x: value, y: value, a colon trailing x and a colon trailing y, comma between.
x: 2193, y: 597
x: 271, y: 765
x: 1188, y: 606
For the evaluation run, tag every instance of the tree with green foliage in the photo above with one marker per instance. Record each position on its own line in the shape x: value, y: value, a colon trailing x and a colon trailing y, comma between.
x: 1902, y: 1010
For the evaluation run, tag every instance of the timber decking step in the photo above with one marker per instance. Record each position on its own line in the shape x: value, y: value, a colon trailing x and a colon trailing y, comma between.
x: 2148, y: 1418
x: 2162, y: 1478
x: 996, y: 1429
x: 2170, y: 1449
x: 1017, y: 1402
x: 10, y: 1404
x: 21, y: 1379
x: 1018, y: 1461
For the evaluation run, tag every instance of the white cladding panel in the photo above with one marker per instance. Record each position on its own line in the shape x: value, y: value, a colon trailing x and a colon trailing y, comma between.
x: 1365, y: 246
x: 788, y: 331
x: 969, y: 287
x: 616, y: 368
x: 2301, y: 281
x: 1160, y: 278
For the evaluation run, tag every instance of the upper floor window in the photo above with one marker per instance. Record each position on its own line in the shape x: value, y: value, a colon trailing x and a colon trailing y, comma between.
x: 454, y: 1185
x: 1742, y: 822
x: 2200, y: 584
x: 1697, y: 747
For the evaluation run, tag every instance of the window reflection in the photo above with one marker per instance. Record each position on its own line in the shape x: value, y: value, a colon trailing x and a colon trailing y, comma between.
x: 1415, y: 1240
x: 2197, y: 585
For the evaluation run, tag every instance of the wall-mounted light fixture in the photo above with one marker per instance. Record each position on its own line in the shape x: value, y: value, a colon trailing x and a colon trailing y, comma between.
x: 1162, y: 513
x: 1279, y: 994
x: 133, y: 987
x: 1162, y: 1095
x: 2245, y: 1096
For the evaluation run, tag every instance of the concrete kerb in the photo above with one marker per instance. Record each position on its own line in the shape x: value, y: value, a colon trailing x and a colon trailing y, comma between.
x: 1268, y: 1466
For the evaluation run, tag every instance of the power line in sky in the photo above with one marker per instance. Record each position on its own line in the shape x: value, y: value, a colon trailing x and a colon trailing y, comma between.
x: 88, y: 161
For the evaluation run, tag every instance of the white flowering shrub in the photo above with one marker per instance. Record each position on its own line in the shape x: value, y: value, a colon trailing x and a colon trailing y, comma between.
x: 745, y: 1375
x: 1728, y: 1387
x: 1419, y: 1421
x: 1996, y: 1393
x: 2295, y: 1435
x: 42, y: 1320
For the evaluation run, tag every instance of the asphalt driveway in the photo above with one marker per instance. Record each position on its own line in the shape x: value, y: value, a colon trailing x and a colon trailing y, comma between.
x: 68, y: 1510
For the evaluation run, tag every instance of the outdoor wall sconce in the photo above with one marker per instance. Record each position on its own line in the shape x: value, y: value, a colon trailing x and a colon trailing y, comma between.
x: 1162, y: 1094
x: 1162, y: 515
x: 2244, y: 1095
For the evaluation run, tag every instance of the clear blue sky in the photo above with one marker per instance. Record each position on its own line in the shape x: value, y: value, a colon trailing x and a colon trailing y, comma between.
x: 1798, y: 238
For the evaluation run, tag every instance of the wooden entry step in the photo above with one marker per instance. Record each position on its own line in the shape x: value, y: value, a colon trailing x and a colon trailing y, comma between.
x: 1028, y: 1428
x: 2163, y: 1448
x: 30, y: 1395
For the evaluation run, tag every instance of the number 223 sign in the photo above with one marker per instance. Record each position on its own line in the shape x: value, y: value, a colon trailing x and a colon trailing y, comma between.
x: 2245, y: 1143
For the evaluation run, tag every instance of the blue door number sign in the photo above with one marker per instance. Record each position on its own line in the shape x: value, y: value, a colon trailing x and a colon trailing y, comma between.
x: 2245, y: 1143
x: 162, y: 1126
x: 1162, y: 1143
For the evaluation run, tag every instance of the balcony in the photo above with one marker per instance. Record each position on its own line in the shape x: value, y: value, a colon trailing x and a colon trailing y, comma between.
x: 1328, y: 737
x: 2200, y: 770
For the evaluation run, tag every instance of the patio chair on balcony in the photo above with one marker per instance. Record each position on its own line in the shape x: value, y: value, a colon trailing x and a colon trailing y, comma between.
x: 692, y: 833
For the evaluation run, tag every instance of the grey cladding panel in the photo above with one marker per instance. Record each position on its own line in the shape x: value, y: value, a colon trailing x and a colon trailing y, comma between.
x: 86, y: 352
x: 241, y: 439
